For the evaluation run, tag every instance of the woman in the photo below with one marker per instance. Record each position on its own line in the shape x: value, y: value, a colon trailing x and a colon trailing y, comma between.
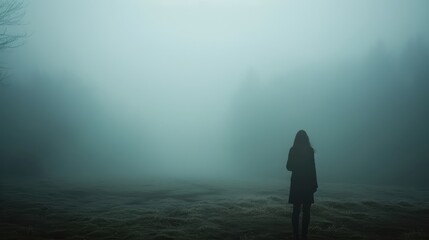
x: 303, y: 181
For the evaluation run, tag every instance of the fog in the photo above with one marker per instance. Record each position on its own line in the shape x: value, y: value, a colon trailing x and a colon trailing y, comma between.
x: 205, y: 89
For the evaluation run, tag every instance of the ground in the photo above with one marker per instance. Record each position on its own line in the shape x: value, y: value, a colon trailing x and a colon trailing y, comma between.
x: 191, y: 210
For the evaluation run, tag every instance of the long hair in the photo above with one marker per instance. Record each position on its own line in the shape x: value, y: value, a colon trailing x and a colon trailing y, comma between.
x: 302, y: 141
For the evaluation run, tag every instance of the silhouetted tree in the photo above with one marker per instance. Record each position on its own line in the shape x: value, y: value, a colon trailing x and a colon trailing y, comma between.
x: 11, y: 13
x: 252, y: 138
x: 415, y: 61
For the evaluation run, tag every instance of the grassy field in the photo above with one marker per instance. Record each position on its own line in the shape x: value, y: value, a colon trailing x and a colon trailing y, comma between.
x: 189, y: 210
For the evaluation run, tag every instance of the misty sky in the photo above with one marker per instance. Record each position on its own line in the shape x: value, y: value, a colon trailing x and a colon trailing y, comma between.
x: 170, y: 69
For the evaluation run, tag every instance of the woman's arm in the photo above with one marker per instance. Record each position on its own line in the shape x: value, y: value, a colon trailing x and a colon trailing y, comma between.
x: 290, y: 161
x: 313, y: 169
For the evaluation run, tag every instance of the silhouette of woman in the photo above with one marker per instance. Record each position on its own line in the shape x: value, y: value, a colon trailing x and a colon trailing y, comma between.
x: 303, y: 182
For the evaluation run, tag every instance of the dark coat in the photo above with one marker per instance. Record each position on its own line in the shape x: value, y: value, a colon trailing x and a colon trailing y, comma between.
x: 303, y: 181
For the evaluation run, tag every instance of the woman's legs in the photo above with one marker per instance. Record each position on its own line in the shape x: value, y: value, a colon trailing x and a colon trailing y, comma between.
x: 305, y: 219
x: 295, y: 220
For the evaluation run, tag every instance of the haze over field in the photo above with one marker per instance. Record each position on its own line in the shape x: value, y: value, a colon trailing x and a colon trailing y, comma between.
x: 217, y: 89
x: 173, y: 119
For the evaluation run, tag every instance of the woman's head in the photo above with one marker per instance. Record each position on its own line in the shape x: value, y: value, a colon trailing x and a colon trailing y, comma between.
x: 302, y: 140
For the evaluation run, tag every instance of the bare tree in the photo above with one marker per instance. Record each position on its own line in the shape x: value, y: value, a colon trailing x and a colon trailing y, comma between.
x: 11, y: 13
